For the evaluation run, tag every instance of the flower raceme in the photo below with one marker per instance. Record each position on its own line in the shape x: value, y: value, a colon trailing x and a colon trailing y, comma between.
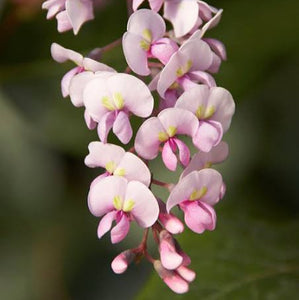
x: 186, y: 104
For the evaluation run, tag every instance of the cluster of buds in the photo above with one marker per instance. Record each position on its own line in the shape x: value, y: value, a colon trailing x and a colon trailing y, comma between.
x: 178, y: 64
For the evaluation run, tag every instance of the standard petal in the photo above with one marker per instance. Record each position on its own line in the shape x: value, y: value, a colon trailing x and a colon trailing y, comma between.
x: 105, y: 125
x: 183, y: 120
x: 100, y: 154
x: 208, y: 135
x: 61, y: 54
x: 95, y: 66
x: 136, y: 57
x: 224, y: 105
x: 168, y: 157
x: 146, y: 209
x: 134, y: 168
x: 106, y: 223
x: 202, y: 77
x: 137, y: 97
x: 147, y: 138
x: 122, y: 127
x: 146, y: 19
x: 192, y: 99
x: 63, y: 22
x: 94, y: 92
x: 100, y: 197
x: 176, y: 12
x: 79, y: 11
x: 207, y: 179
x: 120, y: 231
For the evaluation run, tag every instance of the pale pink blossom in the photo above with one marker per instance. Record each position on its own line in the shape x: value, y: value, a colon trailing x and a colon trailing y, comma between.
x: 109, y: 101
x: 117, y: 162
x: 165, y: 129
x: 214, y: 108
x: 118, y: 200
x: 185, y: 68
x: 196, y: 194
x: 144, y: 39
x: 70, y: 14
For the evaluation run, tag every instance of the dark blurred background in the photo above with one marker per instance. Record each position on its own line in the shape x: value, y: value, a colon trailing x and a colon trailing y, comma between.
x: 49, y: 247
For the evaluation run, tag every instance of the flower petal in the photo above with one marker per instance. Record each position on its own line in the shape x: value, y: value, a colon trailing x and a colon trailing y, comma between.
x: 91, y: 124
x: 122, y: 127
x: 134, y: 168
x: 137, y: 97
x: 208, y: 135
x: 100, y: 154
x: 79, y: 11
x: 120, y: 231
x: 105, y: 125
x: 66, y: 81
x: 95, y: 66
x: 136, y: 57
x: 163, y: 49
x: 183, y: 120
x: 63, y: 22
x: 147, y: 138
x: 100, y: 197
x: 168, y: 157
x: 184, y: 153
x: 106, y: 223
x: 146, y: 208
x: 176, y: 12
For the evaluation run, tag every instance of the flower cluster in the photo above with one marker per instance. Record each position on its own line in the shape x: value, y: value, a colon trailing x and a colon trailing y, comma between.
x: 179, y: 64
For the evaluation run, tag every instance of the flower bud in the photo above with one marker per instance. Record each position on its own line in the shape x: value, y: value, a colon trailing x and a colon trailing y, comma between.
x: 120, y: 263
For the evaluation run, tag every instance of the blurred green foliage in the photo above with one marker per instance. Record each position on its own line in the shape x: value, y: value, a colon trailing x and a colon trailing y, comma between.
x: 49, y: 244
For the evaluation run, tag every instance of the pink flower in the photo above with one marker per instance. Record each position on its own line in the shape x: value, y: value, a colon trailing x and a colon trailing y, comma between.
x: 154, y: 4
x: 186, y: 67
x: 177, y: 280
x: 196, y: 194
x: 214, y: 109
x: 119, y: 200
x: 117, y: 162
x: 164, y: 129
x: 144, y: 39
x: 202, y: 160
x: 198, y: 12
x: 110, y: 100
x: 70, y: 14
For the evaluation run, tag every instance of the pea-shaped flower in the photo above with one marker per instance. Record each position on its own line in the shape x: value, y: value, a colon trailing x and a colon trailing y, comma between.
x: 109, y: 101
x: 214, y: 109
x: 118, y: 200
x: 165, y: 128
x: 196, y: 194
x: 144, y: 39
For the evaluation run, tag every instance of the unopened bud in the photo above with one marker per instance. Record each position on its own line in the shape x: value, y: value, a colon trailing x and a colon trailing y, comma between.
x: 120, y: 263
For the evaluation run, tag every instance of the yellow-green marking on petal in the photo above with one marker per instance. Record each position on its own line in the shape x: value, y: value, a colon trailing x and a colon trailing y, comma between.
x: 110, y: 166
x: 197, y: 194
x: 106, y: 101
x: 118, y: 100
x: 145, y: 45
x: 128, y: 205
x: 120, y: 172
x: 209, y: 112
x: 199, y: 112
x: 163, y: 136
x: 147, y: 34
x: 184, y: 69
x: 117, y: 202
x: 171, y: 131
x: 208, y: 164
